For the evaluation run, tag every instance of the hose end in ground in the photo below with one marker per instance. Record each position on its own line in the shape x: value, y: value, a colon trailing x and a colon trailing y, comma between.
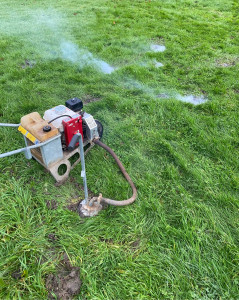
x: 90, y: 209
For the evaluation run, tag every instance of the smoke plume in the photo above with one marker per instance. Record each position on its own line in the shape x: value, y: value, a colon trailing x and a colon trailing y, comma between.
x: 47, y: 33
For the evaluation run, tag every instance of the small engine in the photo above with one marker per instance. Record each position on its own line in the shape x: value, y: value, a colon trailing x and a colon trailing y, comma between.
x: 70, y: 119
x: 58, y: 126
x: 64, y: 132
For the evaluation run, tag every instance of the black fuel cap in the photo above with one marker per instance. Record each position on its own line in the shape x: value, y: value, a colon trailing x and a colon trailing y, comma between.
x: 47, y: 128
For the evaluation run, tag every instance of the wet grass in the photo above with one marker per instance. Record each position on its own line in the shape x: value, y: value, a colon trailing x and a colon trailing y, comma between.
x: 180, y: 238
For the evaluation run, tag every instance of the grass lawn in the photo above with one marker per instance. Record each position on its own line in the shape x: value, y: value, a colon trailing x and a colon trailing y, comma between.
x: 180, y: 239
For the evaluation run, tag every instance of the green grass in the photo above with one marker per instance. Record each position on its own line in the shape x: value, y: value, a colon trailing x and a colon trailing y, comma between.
x: 180, y: 239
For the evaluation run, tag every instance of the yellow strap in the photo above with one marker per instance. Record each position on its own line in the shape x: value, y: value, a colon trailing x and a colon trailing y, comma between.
x: 28, y: 135
x: 22, y: 130
x: 31, y: 137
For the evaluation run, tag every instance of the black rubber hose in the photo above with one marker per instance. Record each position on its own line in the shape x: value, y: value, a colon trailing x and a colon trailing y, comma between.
x: 126, y: 175
x: 59, y: 117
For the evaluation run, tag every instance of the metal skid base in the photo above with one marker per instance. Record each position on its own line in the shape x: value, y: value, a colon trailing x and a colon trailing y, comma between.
x: 54, y: 167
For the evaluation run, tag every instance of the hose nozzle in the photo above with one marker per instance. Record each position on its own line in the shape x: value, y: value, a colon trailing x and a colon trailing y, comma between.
x: 92, y: 208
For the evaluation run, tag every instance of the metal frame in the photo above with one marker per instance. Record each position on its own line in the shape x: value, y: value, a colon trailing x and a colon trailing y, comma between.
x: 53, y: 167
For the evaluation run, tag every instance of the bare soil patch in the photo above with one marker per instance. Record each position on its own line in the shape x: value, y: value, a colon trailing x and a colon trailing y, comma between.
x: 89, y: 99
x: 66, y: 283
x: 28, y: 64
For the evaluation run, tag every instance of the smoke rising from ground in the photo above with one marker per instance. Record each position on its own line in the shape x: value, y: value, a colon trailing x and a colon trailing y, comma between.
x: 48, y: 34
x: 71, y: 52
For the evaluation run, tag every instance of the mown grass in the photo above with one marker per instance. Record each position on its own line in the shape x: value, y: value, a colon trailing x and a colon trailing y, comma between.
x: 179, y: 240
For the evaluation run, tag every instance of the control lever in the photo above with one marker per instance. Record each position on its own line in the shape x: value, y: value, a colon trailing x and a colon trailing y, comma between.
x: 73, y: 142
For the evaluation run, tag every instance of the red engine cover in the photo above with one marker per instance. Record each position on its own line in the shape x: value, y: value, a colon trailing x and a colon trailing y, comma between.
x: 72, y: 127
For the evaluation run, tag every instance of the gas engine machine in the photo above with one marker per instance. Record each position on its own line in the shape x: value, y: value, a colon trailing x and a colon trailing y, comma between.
x: 63, y: 132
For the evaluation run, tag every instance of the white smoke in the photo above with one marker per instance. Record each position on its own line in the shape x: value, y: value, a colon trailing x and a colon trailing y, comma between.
x: 196, y: 100
x: 82, y: 57
x: 48, y: 34
x: 157, y: 48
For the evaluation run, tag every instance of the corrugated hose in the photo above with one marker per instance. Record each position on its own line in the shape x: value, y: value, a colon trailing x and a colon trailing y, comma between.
x: 126, y: 175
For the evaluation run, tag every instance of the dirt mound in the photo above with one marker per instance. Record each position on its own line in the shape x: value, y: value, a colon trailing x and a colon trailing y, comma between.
x: 66, y: 283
